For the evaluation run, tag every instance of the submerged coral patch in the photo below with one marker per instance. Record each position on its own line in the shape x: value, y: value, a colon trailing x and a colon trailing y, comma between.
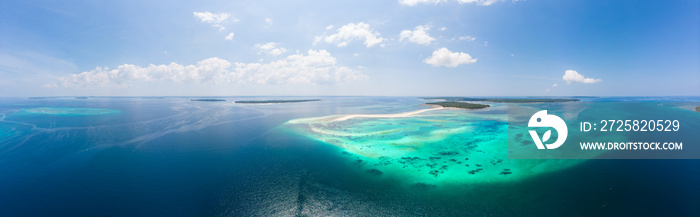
x: 427, y: 146
x: 69, y: 111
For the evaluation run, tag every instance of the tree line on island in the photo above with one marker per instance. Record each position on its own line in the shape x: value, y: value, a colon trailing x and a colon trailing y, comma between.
x: 463, y: 105
x: 465, y: 102
x: 257, y: 101
x: 275, y: 101
x: 502, y: 100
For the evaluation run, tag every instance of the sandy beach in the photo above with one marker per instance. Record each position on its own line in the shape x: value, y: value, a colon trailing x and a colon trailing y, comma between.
x: 398, y: 115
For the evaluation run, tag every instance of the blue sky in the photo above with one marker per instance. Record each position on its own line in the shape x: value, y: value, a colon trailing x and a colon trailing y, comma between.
x: 393, y: 47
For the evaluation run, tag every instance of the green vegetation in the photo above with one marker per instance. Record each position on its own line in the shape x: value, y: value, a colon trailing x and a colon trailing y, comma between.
x: 697, y: 109
x: 585, y: 97
x: 208, y: 100
x: 274, y: 101
x: 502, y: 100
x: 464, y: 105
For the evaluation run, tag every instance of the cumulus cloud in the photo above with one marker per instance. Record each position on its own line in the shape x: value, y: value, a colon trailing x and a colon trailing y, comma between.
x: 444, y: 57
x: 268, y: 20
x: 435, y: 2
x: 123, y: 75
x: 478, y: 2
x: 419, y: 35
x: 270, y: 48
x: 571, y: 76
x: 352, y: 32
x: 216, y: 19
x: 316, y: 67
x: 415, y: 2
x: 229, y: 36
x: 468, y: 38
x: 555, y: 85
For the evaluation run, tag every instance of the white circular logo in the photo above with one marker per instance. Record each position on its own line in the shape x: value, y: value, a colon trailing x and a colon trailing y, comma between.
x: 542, y: 119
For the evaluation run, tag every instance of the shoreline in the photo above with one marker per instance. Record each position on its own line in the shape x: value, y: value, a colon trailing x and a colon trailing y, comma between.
x: 398, y: 115
x: 453, y: 108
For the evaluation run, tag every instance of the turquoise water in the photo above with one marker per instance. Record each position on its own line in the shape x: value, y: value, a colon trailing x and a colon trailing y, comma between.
x: 68, y: 111
x: 434, y: 147
x: 174, y: 157
x: 687, y: 120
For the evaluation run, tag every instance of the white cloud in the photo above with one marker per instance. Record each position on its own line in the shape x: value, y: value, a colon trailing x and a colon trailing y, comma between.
x: 418, y: 36
x: 229, y: 36
x: 270, y: 48
x: 123, y: 75
x: 478, y: 2
x: 208, y: 17
x: 547, y: 90
x: 435, y: 2
x: 555, y: 85
x: 443, y: 28
x: 216, y: 19
x: 317, y: 67
x: 571, y: 76
x: 352, y: 32
x: 268, y: 20
x: 98, y: 77
x: 444, y: 57
x: 468, y: 38
x: 415, y: 2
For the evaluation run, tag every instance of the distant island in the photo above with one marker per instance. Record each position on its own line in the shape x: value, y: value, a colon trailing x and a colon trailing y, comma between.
x: 274, y: 101
x: 585, y: 97
x: 208, y: 100
x: 502, y: 100
x: 463, y: 105
x: 697, y: 108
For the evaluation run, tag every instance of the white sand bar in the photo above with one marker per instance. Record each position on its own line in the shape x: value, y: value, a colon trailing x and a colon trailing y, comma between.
x: 398, y: 115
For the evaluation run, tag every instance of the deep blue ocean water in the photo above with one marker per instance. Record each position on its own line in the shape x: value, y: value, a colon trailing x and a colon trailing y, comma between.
x: 175, y: 157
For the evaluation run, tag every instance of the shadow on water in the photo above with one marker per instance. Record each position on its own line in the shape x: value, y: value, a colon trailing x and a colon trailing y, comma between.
x: 245, y: 169
x: 316, y: 179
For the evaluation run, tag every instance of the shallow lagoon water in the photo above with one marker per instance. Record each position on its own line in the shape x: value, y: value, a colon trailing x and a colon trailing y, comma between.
x: 69, y: 111
x: 173, y: 157
x: 431, y: 147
